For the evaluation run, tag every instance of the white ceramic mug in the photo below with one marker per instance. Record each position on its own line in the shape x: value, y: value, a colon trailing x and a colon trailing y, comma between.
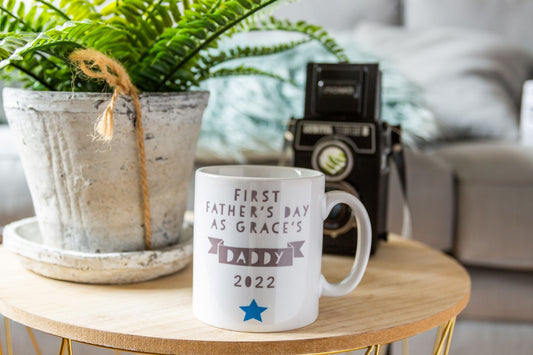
x: 258, y: 246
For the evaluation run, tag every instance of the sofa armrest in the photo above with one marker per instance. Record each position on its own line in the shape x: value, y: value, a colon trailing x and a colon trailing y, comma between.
x: 430, y: 197
x: 15, y: 199
x: 494, y: 208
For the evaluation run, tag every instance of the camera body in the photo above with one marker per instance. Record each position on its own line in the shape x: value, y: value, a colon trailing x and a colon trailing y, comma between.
x: 341, y: 135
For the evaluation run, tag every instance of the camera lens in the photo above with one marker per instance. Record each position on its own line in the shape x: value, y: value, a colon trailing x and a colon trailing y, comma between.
x: 336, y: 212
x: 340, y: 219
x: 334, y: 158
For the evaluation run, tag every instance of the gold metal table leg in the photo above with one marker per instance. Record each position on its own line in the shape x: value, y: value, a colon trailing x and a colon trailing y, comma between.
x: 444, y: 338
x: 440, y: 334
x: 33, y: 341
x: 405, y: 347
x: 374, y: 348
x: 66, y: 344
x: 9, y: 345
x: 62, y: 347
x: 449, y: 340
x: 69, y: 345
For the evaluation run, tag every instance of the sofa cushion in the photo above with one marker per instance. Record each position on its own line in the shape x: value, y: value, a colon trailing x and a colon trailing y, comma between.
x: 494, y: 218
x: 342, y: 14
x: 15, y: 199
x: 509, y: 18
x: 500, y: 295
x: 491, y: 162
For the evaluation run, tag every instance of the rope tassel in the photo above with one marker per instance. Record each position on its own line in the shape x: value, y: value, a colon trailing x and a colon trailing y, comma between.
x: 96, y: 65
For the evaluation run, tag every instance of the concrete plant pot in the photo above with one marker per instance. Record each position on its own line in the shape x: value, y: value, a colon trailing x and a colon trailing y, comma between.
x: 87, y: 193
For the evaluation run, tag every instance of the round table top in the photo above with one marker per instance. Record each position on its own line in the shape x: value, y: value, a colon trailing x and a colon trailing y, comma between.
x: 408, y: 288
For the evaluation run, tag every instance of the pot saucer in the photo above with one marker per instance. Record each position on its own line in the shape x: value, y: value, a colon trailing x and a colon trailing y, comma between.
x: 24, y: 239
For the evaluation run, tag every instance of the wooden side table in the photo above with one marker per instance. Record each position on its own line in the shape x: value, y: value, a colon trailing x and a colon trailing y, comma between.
x: 407, y: 289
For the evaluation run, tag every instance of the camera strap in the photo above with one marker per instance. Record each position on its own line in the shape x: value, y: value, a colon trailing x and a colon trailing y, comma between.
x: 398, y: 157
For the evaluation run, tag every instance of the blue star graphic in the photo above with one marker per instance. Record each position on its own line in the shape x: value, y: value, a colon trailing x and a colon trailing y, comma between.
x: 253, y: 311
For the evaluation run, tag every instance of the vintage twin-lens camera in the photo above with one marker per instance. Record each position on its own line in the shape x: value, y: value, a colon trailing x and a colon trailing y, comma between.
x: 341, y: 134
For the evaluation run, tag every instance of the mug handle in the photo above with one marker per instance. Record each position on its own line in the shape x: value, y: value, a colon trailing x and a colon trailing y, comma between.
x: 364, y: 240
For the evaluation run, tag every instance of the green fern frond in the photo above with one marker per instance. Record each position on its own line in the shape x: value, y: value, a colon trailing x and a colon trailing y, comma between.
x: 314, y: 32
x: 244, y: 71
x: 65, y: 38
x: 35, y: 64
x: 203, y: 31
x: 10, y: 43
x: 145, y: 20
x: 210, y: 61
x: 246, y: 52
x: 78, y: 10
x: 49, y: 74
x: 52, y: 8
x: 13, y: 18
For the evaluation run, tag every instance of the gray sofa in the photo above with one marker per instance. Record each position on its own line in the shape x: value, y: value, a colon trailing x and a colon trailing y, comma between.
x: 471, y: 192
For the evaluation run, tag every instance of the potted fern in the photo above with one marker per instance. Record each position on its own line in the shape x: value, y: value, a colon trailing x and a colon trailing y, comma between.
x: 88, y: 194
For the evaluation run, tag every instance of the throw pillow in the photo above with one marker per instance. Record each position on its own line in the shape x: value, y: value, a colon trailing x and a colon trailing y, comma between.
x: 509, y: 18
x: 472, y: 79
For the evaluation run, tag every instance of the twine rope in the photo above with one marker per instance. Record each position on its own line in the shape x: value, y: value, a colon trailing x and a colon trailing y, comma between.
x: 96, y: 65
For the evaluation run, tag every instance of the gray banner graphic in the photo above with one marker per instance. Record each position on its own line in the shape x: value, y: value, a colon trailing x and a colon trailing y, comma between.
x: 256, y: 256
